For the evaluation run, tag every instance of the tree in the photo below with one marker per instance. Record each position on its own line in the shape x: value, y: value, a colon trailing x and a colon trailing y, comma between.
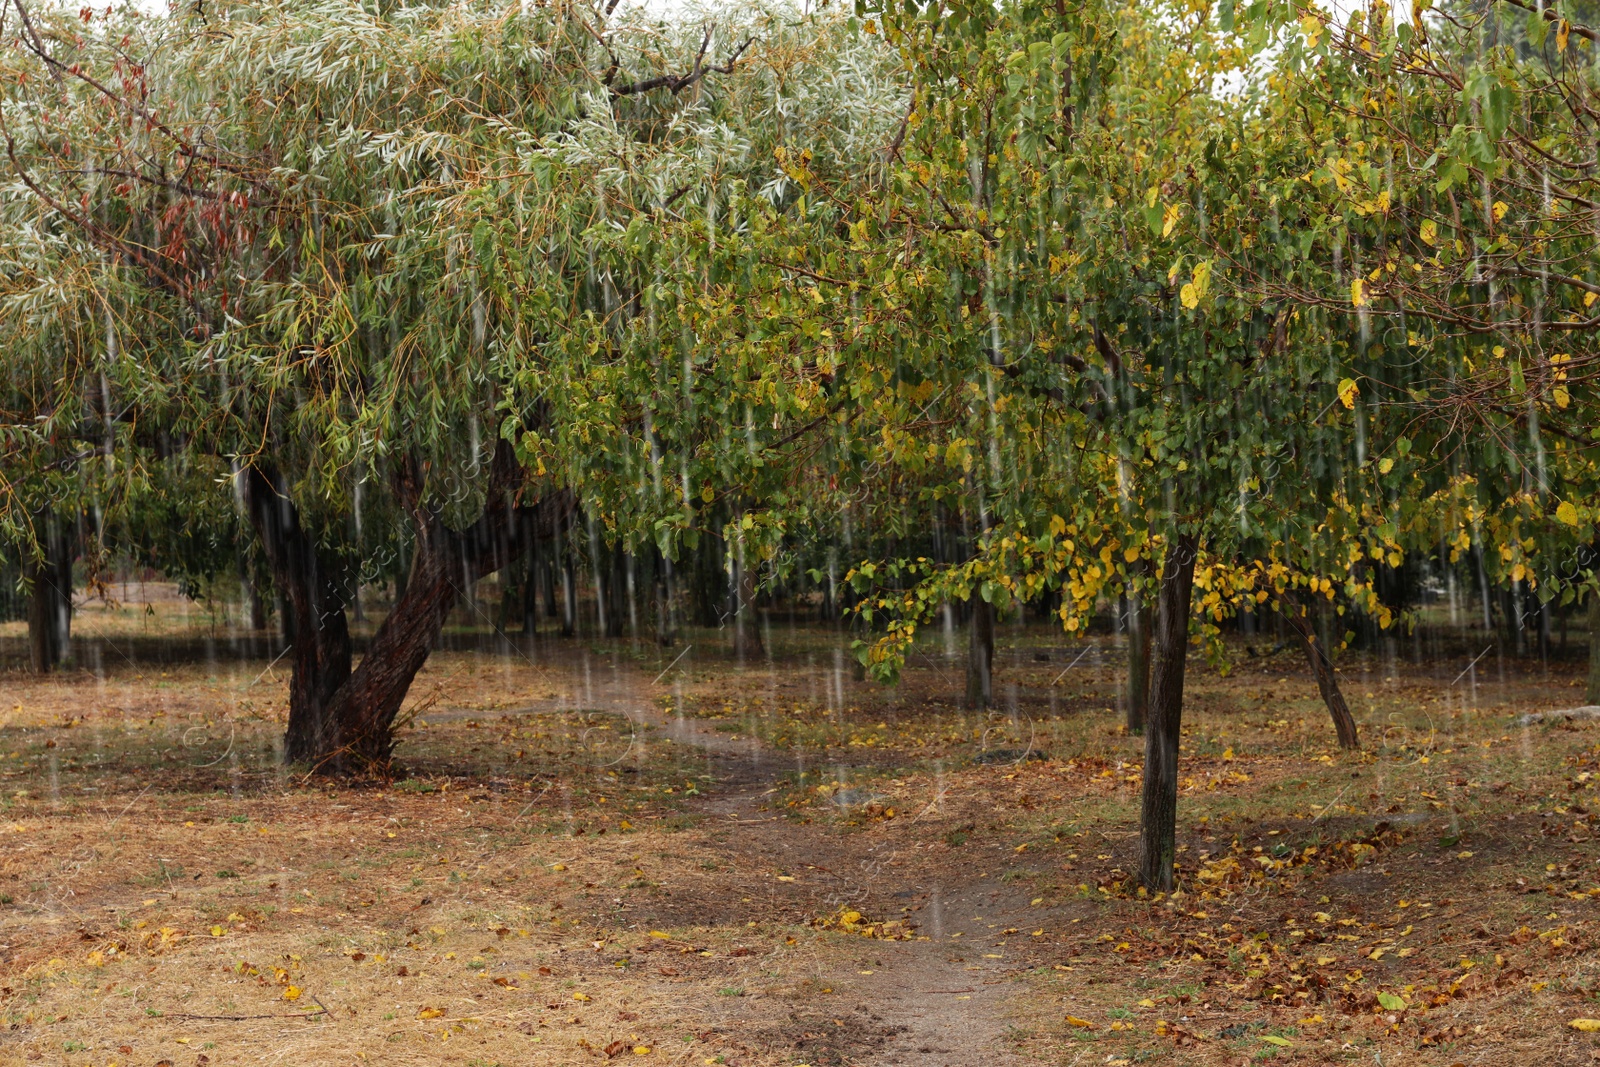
x: 1113, y: 220
x: 312, y: 253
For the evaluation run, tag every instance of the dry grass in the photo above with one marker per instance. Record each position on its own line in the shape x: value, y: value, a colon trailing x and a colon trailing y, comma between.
x: 503, y: 903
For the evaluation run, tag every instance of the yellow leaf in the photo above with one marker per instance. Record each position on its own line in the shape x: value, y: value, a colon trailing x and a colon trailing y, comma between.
x: 1190, y: 298
x: 1499, y: 210
x: 1566, y: 514
x: 429, y: 1013
x: 1385, y: 465
x: 216, y: 931
x: 1082, y: 1024
x: 662, y: 935
x: 1348, y: 391
x: 1311, y: 26
x: 1273, y: 1039
x: 1589, y: 299
x: 580, y: 996
x: 1169, y: 218
x: 1563, y: 30
x: 1588, y: 1026
x: 641, y: 1050
x: 1358, y: 295
x: 1429, y: 232
x: 292, y: 993
x: 1560, y: 395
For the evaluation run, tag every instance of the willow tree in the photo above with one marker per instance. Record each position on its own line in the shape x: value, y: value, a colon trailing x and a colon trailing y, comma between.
x: 322, y: 241
x: 711, y: 391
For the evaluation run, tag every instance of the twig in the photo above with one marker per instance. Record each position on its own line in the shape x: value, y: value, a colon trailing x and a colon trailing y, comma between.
x: 322, y: 1010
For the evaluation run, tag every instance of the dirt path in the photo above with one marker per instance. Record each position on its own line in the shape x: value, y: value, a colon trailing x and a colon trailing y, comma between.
x: 944, y: 999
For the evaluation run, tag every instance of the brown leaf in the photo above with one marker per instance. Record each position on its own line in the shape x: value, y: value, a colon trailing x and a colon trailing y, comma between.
x: 615, y: 1049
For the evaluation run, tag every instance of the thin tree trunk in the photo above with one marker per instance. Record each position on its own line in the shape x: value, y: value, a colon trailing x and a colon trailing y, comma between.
x: 50, y: 598
x: 534, y: 573
x: 1344, y: 724
x: 616, y: 591
x: 1594, y: 648
x: 256, y: 603
x: 566, y: 550
x: 1138, y: 656
x: 980, y: 654
x: 1158, y: 819
x: 746, y: 626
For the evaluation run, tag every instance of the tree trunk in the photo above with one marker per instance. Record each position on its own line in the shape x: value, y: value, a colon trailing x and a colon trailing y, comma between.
x: 1158, y: 818
x: 341, y: 720
x: 617, y: 593
x: 50, y: 598
x: 1344, y: 724
x: 1138, y: 654
x: 980, y: 654
x: 569, y: 580
x: 255, y: 603
x: 746, y: 626
x: 1594, y: 647
x: 446, y: 565
x: 312, y: 614
x: 530, y: 588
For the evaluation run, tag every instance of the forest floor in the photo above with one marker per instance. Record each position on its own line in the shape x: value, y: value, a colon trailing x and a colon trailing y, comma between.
x: 599, y: 853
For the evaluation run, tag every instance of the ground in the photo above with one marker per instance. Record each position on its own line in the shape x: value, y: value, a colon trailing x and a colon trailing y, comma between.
x: 601, y: 851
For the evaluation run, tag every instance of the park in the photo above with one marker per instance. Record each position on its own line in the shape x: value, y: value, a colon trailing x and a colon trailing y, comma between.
x: 785, y: 535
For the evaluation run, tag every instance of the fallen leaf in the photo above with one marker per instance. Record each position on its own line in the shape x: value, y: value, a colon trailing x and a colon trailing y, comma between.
x: 1390, y: 1002
x: 429, y: 1013
x: 1084, y: 1024
x: 1273, y: 1039
x: 292, y: 993
x: 1588, y: 1026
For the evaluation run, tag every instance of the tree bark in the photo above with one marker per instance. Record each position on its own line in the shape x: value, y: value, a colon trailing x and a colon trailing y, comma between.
x: 312, y: 613
x: 746, y: 626
x: 50, y: 596
x: 1594, y: 648
x: 341, y: 719
x: 446, y: 564
x: 1138, y: 656
x: 1158, y: 819
x: 1344, y: 724
x: 980, y: 654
